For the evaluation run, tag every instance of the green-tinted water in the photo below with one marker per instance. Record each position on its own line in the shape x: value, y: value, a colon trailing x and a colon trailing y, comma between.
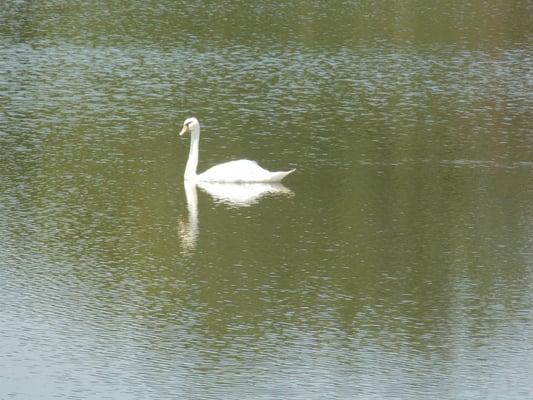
x: 394, y: 263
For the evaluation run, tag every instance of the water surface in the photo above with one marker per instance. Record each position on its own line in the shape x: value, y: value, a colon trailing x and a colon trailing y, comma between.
x: 394, y: 263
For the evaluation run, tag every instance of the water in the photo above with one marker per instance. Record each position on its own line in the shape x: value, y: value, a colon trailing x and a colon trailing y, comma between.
x: 394, y: 263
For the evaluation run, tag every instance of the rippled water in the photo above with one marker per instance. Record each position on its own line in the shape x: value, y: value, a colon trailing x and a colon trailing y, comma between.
x: 394, y: 263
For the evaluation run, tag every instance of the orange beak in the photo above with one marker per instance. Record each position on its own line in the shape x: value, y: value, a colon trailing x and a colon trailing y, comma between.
x: 184, y: 130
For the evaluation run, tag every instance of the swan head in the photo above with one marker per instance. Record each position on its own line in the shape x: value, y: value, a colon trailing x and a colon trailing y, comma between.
x: 190, y: 125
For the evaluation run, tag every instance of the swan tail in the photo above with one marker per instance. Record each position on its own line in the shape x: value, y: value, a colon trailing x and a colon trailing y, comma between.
x: 278, y: 176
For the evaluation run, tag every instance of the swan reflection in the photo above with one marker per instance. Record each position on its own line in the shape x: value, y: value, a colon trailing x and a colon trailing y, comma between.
x: 188, y: 229
x: 231, y: 194
x: 241, y: 194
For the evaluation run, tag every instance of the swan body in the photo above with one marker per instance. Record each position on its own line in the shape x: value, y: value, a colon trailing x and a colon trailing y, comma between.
x: 232, y: 171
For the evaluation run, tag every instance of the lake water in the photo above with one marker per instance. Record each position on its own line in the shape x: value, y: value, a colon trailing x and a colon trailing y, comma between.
x: 395, y: 263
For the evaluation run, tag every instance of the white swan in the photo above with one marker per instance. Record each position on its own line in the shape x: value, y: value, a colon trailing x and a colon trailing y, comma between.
x: 233, y: 171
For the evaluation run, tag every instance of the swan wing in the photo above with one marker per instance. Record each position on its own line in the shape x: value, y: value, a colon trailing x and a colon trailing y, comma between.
x: 240, y: 171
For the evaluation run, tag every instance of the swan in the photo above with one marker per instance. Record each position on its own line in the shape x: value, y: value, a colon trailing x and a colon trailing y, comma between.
x: 232, y: 171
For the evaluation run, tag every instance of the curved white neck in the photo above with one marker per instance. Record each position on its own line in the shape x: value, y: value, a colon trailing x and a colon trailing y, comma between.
x: 192, y: 162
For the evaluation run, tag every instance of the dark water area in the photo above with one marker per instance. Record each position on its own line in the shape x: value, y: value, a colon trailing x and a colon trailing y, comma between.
x: 396, y: 262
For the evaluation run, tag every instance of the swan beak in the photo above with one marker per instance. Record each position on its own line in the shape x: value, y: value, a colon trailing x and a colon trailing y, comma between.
x: 184, y: 130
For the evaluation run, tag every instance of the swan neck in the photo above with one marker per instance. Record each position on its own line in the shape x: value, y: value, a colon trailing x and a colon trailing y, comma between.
x: 192, y: 162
